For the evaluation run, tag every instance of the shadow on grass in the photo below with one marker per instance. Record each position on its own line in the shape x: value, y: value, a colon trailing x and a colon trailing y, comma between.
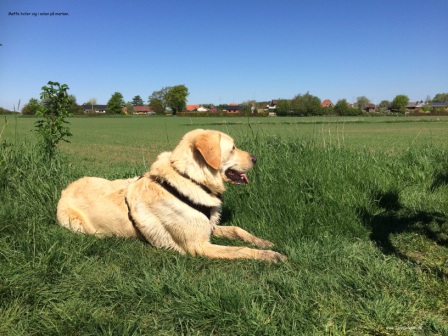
x: 440, y: 179
x: 226, y: 215
x: 389, y: 226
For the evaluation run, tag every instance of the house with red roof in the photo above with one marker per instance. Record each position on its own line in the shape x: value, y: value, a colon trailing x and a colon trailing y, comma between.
x: 233, y: 108
x: 143, y: 109
x: 196, y: 108
x: 191, y: 108
x: 327, y: 103
x: 415, y: 106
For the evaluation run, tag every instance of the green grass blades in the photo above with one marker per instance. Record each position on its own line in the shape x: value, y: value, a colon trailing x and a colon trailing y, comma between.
x: 365, y: 229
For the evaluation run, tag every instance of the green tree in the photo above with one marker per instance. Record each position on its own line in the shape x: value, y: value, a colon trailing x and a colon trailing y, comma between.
x: 384, y: 105
x: 441, y: 98
x: 32, y: 107
x: 327, y: 110
x: 362, y: 102
x: 283, y: 107
x: 157, y: 101
x: 5, y: 111
x: 426, y: 107
x: 116, y: 103
x: 54, y: 109
x: 342, y: 108
x: 176, y: 98
x: 399, y: 103
x: 306, y: 104
x: 137, y: 101
x: 74, y: 107
x: 130, y: 108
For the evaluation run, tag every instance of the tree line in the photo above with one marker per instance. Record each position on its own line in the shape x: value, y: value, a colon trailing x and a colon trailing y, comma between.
x: 307, y: 104
x: 173, y: 98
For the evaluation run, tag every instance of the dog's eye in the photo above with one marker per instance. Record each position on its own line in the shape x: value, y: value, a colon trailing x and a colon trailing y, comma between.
x: 233, y: 148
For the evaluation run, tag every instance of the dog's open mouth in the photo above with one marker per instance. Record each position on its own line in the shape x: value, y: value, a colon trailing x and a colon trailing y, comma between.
x: 237, y: 178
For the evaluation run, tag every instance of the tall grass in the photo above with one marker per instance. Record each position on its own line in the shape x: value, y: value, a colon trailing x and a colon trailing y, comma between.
x: 365, y: 232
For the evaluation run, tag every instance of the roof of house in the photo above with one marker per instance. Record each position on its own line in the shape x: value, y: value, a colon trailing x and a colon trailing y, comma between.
x: 275, y: 101
x: 233, y: 107
x: 439, y: 104
x: 193, y: 107
x: 326, y: 102
x: 95, y: 107
x: 143, y: 108
x: 415, y: 104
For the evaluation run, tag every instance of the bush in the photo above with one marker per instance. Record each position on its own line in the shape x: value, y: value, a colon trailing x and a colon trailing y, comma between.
x: 5, y: 111
x: 55, y: 108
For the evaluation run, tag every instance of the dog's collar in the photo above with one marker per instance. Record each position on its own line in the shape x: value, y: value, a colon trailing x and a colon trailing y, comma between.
x: 204, y: 209
x: 203, y: 187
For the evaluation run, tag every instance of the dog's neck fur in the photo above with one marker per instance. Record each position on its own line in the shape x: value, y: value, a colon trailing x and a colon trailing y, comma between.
x: 192, y: 164
x: 203, y: 187
x: 198, y: 192
x: 190, y: 191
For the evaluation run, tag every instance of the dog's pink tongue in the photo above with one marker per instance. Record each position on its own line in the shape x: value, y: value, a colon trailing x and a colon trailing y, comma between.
x: 244, y: 178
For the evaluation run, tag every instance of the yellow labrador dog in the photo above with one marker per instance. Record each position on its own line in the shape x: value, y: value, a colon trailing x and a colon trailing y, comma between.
x: 176, y: 205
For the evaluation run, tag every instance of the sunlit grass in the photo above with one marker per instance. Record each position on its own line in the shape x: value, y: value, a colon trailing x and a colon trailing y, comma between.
x: 364, y: 224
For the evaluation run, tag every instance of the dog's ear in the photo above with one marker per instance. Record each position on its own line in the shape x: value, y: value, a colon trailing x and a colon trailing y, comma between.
x: 208, y: 144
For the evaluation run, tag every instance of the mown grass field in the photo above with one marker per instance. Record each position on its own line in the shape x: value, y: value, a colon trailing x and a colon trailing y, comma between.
x: 140, y: 139
x: 359, y: 205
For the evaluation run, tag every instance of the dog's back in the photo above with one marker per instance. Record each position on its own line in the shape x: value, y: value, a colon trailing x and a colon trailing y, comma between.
x: 96, y: 206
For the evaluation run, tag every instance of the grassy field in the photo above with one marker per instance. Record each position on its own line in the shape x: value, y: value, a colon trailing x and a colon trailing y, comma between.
x: 359, y: 205
x: 140, y: 139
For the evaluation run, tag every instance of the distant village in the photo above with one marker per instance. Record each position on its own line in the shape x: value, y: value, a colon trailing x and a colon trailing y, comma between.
x: 270, y: 108
x: 301, y: 105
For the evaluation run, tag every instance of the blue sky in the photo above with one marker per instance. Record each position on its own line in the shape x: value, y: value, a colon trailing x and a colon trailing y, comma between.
x: 225, y: 51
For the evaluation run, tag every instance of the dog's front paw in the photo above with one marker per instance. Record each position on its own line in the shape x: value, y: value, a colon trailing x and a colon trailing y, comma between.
x: 273, y: 256
x: 264, y: 243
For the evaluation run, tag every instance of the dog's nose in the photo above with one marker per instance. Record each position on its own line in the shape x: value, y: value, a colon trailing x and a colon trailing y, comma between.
x: 254, y: 158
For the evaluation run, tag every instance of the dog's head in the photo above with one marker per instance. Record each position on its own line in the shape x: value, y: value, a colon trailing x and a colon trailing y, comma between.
x: 220, y: 153
x: 215, y: 154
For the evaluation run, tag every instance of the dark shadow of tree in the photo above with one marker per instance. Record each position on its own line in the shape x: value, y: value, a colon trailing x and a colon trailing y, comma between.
x: 397, y: 219
x: 440, y: 179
